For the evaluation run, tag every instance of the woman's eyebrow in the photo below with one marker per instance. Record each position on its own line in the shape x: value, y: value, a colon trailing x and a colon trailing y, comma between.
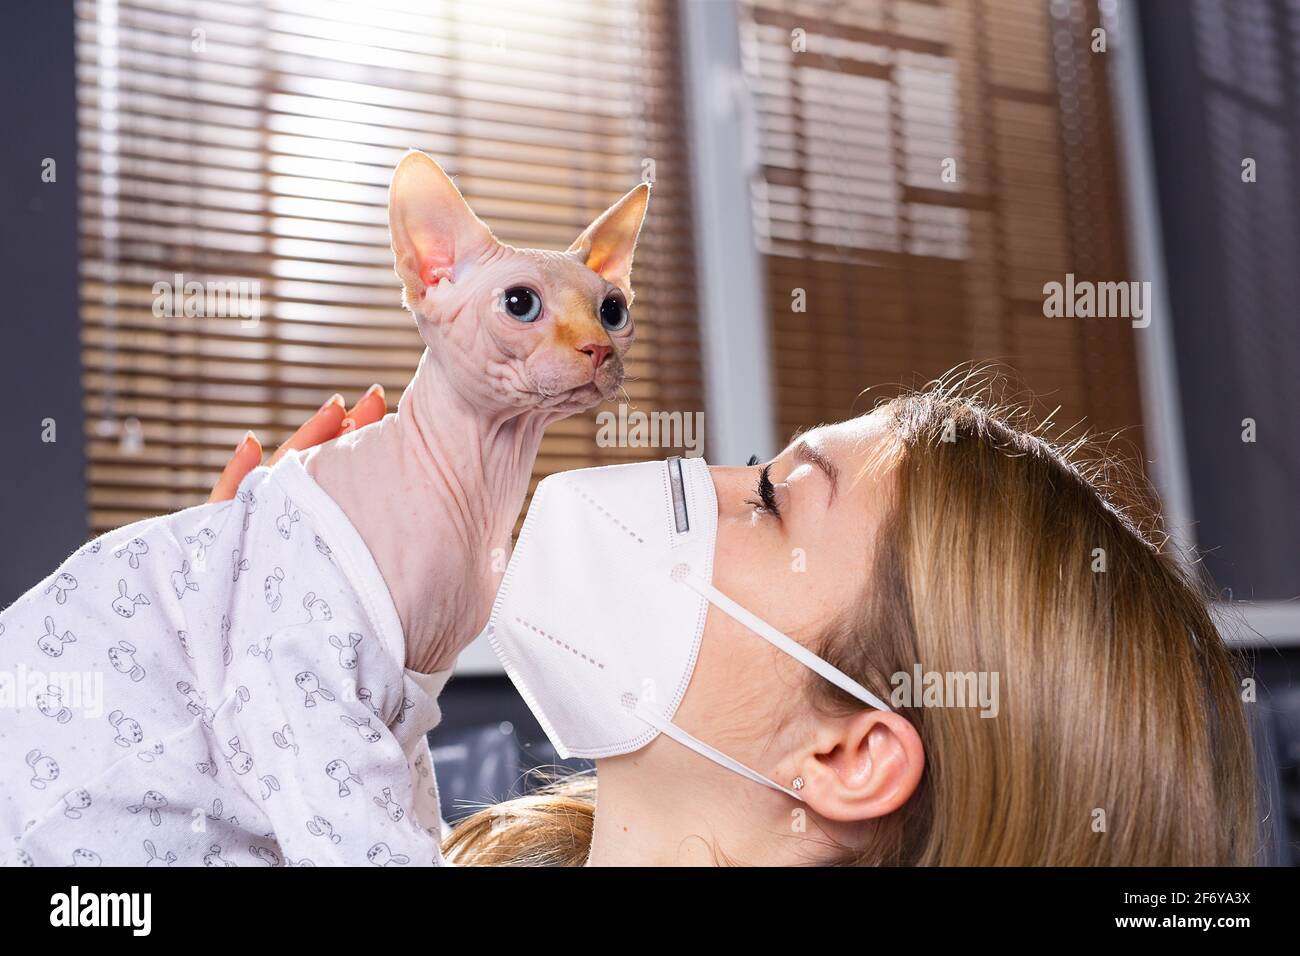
x: 809, y: 453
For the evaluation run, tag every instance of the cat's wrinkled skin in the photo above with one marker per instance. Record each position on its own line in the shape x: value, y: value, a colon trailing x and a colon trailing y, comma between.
x: 435, y: 488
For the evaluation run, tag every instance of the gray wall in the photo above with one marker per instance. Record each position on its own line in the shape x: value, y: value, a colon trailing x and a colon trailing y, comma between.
x: 42, y: 486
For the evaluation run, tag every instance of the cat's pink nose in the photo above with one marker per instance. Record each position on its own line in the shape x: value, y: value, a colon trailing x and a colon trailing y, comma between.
x: 597, y: 353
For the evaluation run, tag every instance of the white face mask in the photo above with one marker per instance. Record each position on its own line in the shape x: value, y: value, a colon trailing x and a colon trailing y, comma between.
x: 599, y: 617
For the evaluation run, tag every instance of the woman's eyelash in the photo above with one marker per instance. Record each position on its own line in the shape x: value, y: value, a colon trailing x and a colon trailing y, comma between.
x: 766, y: 492
x: 753, y: 460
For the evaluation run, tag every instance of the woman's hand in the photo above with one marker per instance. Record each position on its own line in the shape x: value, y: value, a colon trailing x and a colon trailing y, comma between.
x: 332, y: 420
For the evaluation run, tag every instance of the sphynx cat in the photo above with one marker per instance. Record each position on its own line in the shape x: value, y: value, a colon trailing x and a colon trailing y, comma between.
x: 515, y: 340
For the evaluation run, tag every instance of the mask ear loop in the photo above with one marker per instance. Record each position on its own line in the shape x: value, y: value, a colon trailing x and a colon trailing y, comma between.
x: 669, y: 729
x: 683, y: 574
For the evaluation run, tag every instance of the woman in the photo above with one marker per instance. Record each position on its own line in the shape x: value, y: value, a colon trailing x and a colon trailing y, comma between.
x: 933, y: 536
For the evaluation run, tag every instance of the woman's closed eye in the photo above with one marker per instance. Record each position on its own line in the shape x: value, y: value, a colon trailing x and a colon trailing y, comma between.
x: 766, y: 500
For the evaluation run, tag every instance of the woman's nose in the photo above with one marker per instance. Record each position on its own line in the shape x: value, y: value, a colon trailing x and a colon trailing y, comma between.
x: 731, y: 486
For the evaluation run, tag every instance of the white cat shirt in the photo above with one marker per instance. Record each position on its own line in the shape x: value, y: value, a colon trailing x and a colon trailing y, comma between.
x: 222, y: 686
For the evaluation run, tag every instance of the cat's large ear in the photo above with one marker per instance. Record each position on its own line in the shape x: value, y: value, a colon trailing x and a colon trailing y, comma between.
x: 606, y: 246
x: 434, y: 231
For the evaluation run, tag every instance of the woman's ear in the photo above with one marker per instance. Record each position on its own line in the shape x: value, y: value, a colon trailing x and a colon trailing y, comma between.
x: 606, y: 246
x: 863, y: 766
x: 433, y: 229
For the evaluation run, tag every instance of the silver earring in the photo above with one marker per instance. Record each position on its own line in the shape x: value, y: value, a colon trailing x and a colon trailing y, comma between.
x: 797, y: 783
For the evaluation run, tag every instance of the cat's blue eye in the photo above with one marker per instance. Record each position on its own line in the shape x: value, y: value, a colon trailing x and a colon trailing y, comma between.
x: 521, y: 303
x: 613, y: 314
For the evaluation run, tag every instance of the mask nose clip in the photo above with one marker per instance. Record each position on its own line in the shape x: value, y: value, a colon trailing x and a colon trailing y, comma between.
x: 678, y: 487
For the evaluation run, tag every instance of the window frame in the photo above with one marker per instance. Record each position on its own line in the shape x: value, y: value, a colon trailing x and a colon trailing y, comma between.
x: 1242, y: 623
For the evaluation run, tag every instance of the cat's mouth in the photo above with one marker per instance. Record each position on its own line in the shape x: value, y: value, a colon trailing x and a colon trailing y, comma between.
x: 600, y: 386
x: 574, y: 399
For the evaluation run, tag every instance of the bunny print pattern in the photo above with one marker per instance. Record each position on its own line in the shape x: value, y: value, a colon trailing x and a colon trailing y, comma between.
x: 211, y: 717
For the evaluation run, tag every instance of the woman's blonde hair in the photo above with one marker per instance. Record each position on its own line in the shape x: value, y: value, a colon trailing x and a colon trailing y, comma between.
x: 1120, y: 737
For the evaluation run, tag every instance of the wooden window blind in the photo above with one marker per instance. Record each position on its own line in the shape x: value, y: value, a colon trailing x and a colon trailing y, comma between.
x: 906, y: 275
x: 253, y: 141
